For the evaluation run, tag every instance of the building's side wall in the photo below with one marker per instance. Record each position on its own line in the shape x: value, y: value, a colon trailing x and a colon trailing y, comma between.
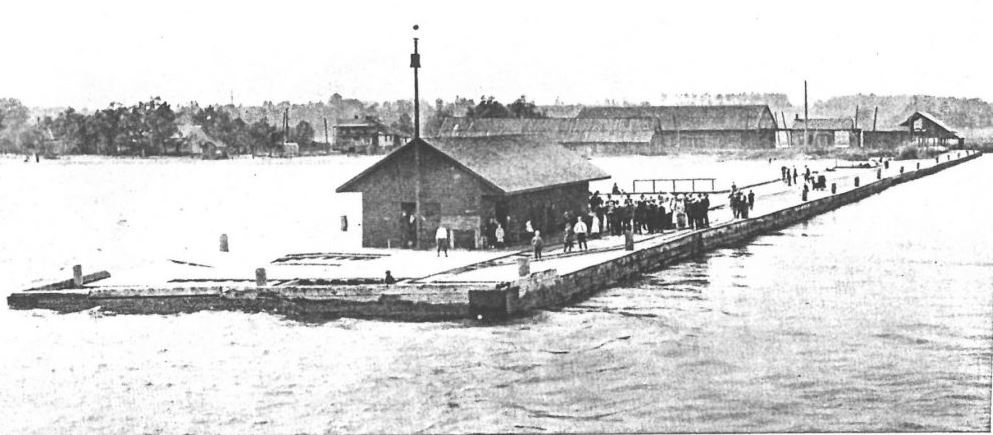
x: 885, y: 139
x: 719, y: 139
x: 447, y: 193
x: 545, y: 209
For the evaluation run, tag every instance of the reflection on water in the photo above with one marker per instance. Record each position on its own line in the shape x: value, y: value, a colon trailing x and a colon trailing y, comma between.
x: 874, y: 317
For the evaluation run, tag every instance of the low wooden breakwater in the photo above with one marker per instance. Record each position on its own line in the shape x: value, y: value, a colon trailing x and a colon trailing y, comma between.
x: 417, y: 301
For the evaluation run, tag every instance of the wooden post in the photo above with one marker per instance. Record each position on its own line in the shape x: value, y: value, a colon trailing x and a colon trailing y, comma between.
x: 789, y: 132
x: 628, y: 240
x: 224, y: 243
x: 327, y: 139
x: 856, y: 181
x: 679, y: 141
x: 77, y: 276
x: 523, y: 266
x: 875, y: 114
x: 260, y: 279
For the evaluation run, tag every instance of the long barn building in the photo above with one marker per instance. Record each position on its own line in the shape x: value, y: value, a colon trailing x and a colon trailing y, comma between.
x: 648, y: 130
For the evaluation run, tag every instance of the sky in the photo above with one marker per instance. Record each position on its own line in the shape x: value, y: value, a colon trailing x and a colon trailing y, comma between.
x: 87, y: 54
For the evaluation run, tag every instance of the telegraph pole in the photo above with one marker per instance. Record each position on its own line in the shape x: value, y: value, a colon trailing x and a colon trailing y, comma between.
x: 806, y: 120
x: 415, y: 63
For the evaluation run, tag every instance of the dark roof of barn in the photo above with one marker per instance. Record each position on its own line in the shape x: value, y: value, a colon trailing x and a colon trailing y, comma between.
x: 509, y: 164
x: 929, y: 117
x: 730, y: 117
x: 562, y: 130
x: 825, y: 124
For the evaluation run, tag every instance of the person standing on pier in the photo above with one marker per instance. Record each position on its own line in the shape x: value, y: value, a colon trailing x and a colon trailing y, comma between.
x: 595, y: 226
x: 441, y: 237
x: 568, y: 237
x: 537, y: 244
x: 733, y: 204
x: 499, y: 233
x: 615, y: 190
x: 795, y: 174
x: 580, y: 230
x: 751, y: 200
x: 705, y: 210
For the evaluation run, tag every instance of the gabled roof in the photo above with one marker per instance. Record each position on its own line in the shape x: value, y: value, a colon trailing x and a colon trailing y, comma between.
x: 825, y: 124
x: 561, y: 130
x: 730, y: 117
x: 509, y: 164
x: 929, y: 117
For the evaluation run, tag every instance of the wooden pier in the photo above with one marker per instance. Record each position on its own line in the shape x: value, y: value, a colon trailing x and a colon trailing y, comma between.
x: 485, y: 287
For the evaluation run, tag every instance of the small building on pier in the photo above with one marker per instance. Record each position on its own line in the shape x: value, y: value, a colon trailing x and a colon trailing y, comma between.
x: 825, y: 132
x: 467, y: 182
x: 919, y: 129
x: 926, y: 129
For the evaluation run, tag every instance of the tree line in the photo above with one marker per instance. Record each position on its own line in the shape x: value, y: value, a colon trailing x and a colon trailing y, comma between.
x: 146, y: 128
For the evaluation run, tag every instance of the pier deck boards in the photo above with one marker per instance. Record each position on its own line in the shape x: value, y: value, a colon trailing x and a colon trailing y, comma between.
x: 466, y: 284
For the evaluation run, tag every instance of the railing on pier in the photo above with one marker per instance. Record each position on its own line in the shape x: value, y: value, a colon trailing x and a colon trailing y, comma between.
x: 674, y: 185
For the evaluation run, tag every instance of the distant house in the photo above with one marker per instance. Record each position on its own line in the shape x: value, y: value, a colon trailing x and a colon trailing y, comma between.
x: 825, y: 132
x: 366, y: 136
x: 465, y: 182
x: 197, y: 142
x: 586, y: 136
x: 701, y: 127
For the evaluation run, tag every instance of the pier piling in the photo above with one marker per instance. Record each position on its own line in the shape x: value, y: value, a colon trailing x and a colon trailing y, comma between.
x: 523, y: 266
x: 628, y: 241
x: 260, y: 279
x: 856, y: 181
x: 834, y: 188
x: 77, y: 276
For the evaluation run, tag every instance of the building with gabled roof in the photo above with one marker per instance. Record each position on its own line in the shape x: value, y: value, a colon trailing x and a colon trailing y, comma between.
x: 466, y: 182
x: 701, y: 127
x: 926, y: 129
x: 366, y: 135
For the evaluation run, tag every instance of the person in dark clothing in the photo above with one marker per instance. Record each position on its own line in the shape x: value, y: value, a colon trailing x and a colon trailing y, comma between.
x: 751, y: 200
x: 705, y: 210
x: 615, y: 190
x: 795, y: 174
x: 733, y: 204
x: 389, y: 278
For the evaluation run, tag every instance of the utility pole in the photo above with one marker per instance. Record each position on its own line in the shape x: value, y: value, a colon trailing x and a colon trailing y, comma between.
x: 327, y: 141
x: 286, y: 126
x: 875, y: 113
x: 415, y: 63
x: 806, y: 120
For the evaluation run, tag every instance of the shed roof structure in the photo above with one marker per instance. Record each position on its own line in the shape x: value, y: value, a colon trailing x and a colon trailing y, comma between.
x: 730, y: 117
x: 509, y: 164
x: 824, y: 124
x: 562, y: 130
